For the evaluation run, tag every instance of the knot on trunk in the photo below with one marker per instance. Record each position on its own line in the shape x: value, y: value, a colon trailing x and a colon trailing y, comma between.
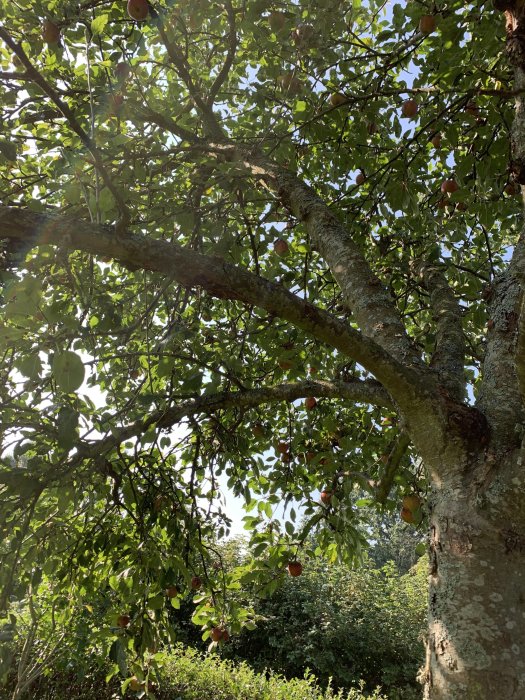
x: 466, y: 422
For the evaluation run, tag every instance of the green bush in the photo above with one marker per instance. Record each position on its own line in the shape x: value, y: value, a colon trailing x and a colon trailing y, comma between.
x: 195, y: 677
x: 190, y: 675
x: 345, y: 625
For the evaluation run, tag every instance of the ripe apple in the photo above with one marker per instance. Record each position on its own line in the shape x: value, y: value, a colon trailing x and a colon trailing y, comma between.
x: 409, y: 108
x: 412, y: 502
x: 407, y: 516
x: 258, y: 430
x: 312, y: 370
x: 360, y: 178
x: 326, y: 497
x: 436, y: 140
x: 122, y: 71
x: 138, y: 9
x: 461, y: 206
x: 284, y: 363
x: 295, y: 568
x: 277, y: 21
x: 50, y: 32
x: 220, y: 634
x: 472, y: 108
x: 310, y: 403
x: 283, y: 448
x: 286, y: 458
x: 449, y: 186
x: 172, y: 591
x: 216, y: 634
x: 196, y: 583
x: 123, y: 620
x: 427, y: 24
x: 281, y: 247
x: 310, y: 456
x: 337, y: 99
x: 135, y: 685
x: 511, y: 188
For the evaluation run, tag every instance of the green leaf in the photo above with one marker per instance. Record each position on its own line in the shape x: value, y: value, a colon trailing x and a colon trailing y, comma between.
x: 99, y: 23
x: 68, y: 370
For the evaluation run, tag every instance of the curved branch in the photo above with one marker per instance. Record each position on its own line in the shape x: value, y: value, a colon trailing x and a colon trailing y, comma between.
x: 365, y: 294
x: 359, y: 391
x: 449, y: 354
x: 221, y: 279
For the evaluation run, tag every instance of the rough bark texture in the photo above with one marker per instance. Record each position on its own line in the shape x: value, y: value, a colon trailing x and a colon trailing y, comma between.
x: 476, y: 644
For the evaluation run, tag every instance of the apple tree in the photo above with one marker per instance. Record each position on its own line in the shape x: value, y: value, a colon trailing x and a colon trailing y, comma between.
x: 272, y: 248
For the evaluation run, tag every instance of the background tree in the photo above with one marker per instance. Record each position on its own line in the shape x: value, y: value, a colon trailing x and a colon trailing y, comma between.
x: 213, y: 211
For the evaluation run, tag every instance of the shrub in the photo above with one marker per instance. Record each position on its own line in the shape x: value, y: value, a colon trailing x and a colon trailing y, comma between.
x: 348, y: 625
x: 190, y: 675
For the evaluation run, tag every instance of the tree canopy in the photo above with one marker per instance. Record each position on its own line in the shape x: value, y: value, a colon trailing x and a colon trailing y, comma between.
x: 247, y: 246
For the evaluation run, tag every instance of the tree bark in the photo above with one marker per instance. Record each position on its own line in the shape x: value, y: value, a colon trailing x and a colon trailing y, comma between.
x: 476, y: 642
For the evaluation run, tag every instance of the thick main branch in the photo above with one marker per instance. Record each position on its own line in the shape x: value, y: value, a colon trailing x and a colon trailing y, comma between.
x: 223, y: 280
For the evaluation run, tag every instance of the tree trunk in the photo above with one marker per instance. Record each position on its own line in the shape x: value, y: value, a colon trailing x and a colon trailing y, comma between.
x: 476, y: 643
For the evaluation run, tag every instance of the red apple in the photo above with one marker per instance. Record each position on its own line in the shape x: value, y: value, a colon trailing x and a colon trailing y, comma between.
x: 135, y: 685
x: 281, y: 247
x: 220, y: 634
x: 277, y: 21
x: 326, y: 497
x: 216, y: 634
x: 258, y: 430
x: 427, y: 24
x: 138, y: 9
x: 309, y: 403
x: 360, y: 178
x: 284, y: 363
x: 449, y: 186
x: 312, y: 370
x: 122, y: 71
x: 409, y: 108
x: 295, y: 568
x: 283, y: 448
x: 511, y: 189
x: 412, y: 502
x: 123, y: 620
x: 196, y: 583
x: 407, y: 515
x: 436, y: 140
x: 50, y: 32
x: 172, y: 591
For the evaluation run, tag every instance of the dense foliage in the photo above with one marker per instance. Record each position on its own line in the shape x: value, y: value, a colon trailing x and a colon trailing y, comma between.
x: 344, y: 625
x: 176, y: 181
x: 190, y: 676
